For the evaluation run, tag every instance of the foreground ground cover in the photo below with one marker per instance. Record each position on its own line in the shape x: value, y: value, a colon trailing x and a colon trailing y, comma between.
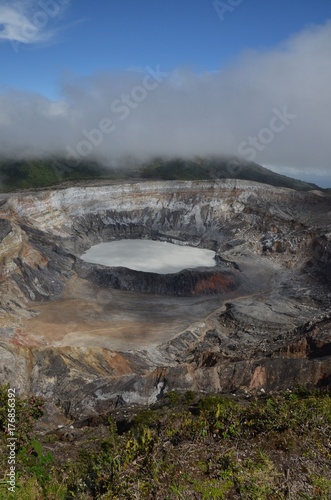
x: 187, y: 446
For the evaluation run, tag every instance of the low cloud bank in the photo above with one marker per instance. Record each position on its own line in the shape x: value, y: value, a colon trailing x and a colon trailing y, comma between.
x: 273, y: 108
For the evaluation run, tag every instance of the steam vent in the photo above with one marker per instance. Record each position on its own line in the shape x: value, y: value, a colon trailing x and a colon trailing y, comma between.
x: 85, y: 334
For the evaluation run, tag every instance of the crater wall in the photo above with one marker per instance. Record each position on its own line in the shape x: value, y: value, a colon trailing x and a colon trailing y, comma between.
x: 263, y: 236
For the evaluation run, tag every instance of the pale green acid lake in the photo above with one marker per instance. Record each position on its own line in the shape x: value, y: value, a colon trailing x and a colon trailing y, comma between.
x: 149, y: 256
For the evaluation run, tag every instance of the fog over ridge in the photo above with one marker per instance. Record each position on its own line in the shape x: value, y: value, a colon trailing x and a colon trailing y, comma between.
x: 184, y: 113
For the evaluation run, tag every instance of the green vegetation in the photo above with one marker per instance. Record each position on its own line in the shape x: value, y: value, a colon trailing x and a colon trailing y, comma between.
x: 176, y: 169
x: 218, y: 168
x: 27, y: 411
x: 186, y: 446
x: 28, y: 174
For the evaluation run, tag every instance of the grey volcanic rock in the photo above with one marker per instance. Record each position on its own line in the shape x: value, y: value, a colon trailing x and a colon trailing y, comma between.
x: 5, y: 228
x: 198, y: 281
x: 90, y: 337
x: 322, y: 254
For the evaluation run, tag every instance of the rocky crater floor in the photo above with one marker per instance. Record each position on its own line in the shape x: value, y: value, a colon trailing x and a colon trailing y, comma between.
x: 89, y: 337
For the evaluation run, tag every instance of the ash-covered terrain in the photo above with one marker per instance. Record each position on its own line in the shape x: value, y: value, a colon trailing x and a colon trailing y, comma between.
x: 88, y: 337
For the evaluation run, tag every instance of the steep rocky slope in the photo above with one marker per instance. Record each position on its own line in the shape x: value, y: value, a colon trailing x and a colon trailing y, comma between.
x: 90, y: 337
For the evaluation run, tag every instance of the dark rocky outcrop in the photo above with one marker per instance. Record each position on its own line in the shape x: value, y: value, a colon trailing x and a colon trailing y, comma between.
x: 322, y: 255
x: 5, y: 228
x: 198, y: 281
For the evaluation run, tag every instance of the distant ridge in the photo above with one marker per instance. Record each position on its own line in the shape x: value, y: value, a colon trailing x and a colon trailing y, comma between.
x: 220, y: 168
x: 39, y: 173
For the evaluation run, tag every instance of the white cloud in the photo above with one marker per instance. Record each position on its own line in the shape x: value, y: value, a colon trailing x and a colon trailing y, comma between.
x: 29, y: 21
x: 189, y: 114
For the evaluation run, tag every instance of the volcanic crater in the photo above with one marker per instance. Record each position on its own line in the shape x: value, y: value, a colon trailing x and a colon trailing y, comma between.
x: 84, y: 334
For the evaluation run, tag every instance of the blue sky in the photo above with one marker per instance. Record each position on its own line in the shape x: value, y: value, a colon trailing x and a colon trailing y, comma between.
x: 231, y: 64
x: 88, y: 37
